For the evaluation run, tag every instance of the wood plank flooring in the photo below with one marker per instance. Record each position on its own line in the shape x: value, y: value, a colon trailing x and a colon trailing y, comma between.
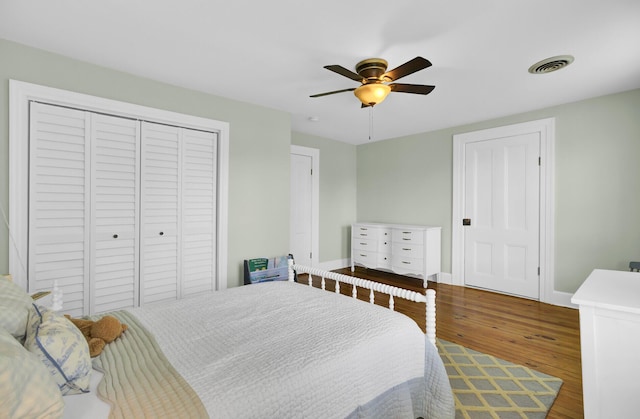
x: 541, y: 336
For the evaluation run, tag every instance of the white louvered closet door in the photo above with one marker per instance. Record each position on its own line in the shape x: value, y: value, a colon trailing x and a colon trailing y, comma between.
x: 160, y: 213
x: 115, y: 209
x: 178, y: 212
x: 199, y: 192
x: 59, y: 208
x: 83, y: 208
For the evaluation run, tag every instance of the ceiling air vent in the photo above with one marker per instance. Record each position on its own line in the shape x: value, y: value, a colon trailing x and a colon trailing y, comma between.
x: 551, y: 64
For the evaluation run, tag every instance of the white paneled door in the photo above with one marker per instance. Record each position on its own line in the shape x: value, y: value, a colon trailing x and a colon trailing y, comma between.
x: 301, y: 201
x: 501, y: 214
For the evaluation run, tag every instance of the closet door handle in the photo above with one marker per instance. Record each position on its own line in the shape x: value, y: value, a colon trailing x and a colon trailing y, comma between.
x: 115, y: 236
x: 162, y: 233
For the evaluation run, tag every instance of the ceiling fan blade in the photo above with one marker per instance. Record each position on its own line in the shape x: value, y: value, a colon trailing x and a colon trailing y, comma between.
x: 407, y: 68
x: 344, y: 72
x: 335, y: 91
x: 419, y: 89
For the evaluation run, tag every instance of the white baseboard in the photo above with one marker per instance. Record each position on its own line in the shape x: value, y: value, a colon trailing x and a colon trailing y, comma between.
x: 445, y: 278
x: 560, y: 298
x: 332, y: 265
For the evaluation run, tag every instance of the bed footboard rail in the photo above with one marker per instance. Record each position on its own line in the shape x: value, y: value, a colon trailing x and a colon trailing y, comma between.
x: 429, y: 298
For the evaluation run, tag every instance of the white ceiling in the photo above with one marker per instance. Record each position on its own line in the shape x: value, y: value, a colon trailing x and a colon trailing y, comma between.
x: 271, y: 53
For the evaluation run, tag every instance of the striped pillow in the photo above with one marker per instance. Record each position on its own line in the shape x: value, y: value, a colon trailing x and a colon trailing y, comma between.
x: 15, y: 305
x: 62, y: 349
x: 26, y: 387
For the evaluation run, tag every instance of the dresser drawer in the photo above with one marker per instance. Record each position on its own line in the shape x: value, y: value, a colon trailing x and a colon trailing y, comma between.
x: 408, y: 250
x: 366, y: 258
x: 401, y: 235
x: 404, y: 264
x: 364, y: 232
x: 360, y: 243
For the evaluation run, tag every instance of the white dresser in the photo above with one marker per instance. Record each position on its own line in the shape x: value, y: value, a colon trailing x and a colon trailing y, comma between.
x: 412, y: 250
x: 609, y: 304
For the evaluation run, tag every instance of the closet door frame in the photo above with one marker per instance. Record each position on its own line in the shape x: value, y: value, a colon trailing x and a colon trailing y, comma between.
x: 22, y: 93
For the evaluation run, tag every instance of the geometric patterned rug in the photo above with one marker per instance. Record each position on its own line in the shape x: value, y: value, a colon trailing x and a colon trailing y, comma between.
x: 488, y: 387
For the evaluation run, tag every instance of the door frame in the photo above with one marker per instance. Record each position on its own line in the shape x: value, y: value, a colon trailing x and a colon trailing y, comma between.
x: 545, y: 128
x: 314, y: 154
x: 21, y: 93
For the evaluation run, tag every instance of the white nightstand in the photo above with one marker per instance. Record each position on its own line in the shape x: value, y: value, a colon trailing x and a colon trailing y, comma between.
x: 610, y: 343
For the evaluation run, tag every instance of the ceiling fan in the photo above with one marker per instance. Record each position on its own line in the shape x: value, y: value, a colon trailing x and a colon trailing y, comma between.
x: 373, y: 75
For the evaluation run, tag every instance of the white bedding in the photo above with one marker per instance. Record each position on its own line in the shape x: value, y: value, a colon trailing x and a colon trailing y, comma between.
x: 269, y: 351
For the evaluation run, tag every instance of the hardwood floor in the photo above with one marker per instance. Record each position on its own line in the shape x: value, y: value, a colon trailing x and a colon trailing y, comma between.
x: 541, y: 336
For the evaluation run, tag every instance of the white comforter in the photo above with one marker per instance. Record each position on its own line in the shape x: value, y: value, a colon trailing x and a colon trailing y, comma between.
x: 285, y: 350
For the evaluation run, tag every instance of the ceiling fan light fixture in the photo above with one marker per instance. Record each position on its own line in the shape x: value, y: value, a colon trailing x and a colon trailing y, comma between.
x: 372, y: 93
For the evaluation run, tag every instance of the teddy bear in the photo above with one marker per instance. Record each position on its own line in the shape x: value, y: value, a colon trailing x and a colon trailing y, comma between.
x: 99, y: 333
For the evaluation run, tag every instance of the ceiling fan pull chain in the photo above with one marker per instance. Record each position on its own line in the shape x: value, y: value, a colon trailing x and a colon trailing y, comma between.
x: 370, y: 122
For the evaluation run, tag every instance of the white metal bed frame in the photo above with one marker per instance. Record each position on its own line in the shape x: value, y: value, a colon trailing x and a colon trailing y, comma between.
x: 429, y: 299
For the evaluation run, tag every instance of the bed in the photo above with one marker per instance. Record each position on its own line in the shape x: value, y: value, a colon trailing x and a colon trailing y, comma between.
x: 270, y: 350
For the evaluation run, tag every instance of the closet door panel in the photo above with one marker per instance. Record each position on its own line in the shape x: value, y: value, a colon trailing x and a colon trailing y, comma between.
x: 58, y: 203
x: 115, y: 209
x: 199, y: 180
x: 160, y: 212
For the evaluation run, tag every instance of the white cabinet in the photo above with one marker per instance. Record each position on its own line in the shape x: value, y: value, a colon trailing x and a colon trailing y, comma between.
x: 403, y: 249
x: 609, y: 304
x: 121, y: 212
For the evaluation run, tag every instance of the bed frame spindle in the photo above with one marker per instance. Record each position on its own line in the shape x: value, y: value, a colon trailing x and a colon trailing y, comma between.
x: 429, y: 299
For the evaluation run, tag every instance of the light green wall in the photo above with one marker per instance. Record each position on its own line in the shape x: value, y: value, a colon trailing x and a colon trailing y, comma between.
x: 597, y: 181
x: 260, y: 139
x: 337, y: 194
x: 404, y: 180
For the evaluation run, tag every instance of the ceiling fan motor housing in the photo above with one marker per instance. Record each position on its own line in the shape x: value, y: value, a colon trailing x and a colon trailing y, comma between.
x: 372, y: 68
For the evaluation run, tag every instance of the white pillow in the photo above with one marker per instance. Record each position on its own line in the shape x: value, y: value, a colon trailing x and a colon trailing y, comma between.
x: 27, y: 390
x: 61, y: 347
x: 15, y: 305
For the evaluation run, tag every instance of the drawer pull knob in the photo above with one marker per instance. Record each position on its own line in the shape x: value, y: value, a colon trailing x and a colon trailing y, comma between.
x: 404, y: 238
x: 115, y: 236
x: 364, y: 256
x: 364, y: 244
x: 406, y: 248
x: 406, y: 263
x: 162, y: 233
